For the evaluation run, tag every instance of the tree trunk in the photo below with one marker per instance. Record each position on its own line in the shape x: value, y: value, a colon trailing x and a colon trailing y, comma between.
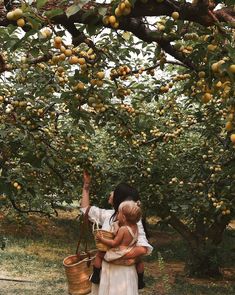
x: 203, y: 261
x: 203, y: 258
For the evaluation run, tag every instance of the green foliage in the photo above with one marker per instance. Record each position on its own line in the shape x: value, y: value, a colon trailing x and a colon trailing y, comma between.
x: 73, y: 9
x: 3, y: 242
x: 41, y: 3
x: 164, y: 276
x: 116, y: 105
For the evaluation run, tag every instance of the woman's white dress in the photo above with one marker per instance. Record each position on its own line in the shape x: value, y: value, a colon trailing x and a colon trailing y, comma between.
x: 116, y: 279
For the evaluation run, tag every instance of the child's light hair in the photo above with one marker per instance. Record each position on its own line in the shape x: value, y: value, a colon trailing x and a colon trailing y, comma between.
x: 131, y: 210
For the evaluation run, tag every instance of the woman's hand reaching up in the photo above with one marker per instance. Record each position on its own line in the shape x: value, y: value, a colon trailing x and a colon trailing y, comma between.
x: 85, y: 202
x: 86, y: 179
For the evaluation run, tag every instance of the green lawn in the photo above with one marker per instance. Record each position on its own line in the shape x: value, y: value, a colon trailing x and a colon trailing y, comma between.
x: 36, y: 248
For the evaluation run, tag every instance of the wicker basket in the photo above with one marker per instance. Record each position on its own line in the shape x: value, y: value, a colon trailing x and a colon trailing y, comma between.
x: 78, y: 269
x: 107, y: 235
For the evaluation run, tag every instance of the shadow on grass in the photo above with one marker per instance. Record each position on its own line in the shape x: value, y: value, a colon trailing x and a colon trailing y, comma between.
x: 180, y: 287
x: 150, y: 280
x: 176, y: 251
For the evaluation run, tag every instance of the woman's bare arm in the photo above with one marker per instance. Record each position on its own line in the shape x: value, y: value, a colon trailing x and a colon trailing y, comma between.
x: 136, y: 252
x: 130, y: 257
x: 85, y: 202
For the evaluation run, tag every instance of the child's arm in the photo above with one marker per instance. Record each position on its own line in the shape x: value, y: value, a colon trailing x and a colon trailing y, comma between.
x: 112, y: 243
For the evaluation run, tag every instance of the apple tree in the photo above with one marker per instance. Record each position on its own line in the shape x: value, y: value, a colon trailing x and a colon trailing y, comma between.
x: 140, y: 90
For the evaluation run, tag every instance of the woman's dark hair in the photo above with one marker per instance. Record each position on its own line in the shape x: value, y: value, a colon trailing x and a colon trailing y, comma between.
x: 123, y: 192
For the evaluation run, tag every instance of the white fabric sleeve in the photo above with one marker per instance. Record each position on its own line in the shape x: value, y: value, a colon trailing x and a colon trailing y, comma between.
x: 142, y: 240
x: 97, y: 215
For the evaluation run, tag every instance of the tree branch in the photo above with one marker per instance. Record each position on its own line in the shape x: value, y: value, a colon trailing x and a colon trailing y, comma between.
x: 6, y: 67
x: 26, y: 211
x: 183, y: 230
x: 178, y: 225
x: 201, y: 13
x: 215, y: 232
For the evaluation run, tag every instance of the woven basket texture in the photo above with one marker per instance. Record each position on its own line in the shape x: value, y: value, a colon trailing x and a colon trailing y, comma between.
x: 107, y: 235
x: 78, y: 269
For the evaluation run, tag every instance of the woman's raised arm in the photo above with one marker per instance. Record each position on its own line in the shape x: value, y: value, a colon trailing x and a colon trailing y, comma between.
x: 85, y: 202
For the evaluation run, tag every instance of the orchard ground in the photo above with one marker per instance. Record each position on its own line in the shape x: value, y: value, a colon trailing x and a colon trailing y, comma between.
x: 36, y: 247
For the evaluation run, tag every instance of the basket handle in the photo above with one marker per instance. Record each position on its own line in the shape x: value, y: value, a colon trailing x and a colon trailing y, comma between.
x: 95, y: 226
x: 86, y: 220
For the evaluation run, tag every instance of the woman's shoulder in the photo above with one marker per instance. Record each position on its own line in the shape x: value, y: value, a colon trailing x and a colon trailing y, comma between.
x: 94, y: 207
x: 105, y: 213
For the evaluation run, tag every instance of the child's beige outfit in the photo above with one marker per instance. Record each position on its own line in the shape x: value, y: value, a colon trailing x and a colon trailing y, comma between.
x: 116, y: 253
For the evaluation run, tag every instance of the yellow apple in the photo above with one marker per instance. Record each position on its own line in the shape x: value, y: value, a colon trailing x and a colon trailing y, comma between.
x: 232, y: 137
x: 20, y: 22
x: 175, y: 15
x: 232, y: 69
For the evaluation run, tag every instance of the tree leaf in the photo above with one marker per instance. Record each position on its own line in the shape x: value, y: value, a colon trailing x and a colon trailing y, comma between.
x: 18, y: 43
x: 54, y: 12
x: 102, y: 11
x: 126, y: 36
x: 5, y: 187
x: 71, y: 10
x: 41, y: 3
x: 91, y: 29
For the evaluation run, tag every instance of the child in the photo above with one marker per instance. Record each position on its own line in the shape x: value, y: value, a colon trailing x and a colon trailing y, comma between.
x: 129, y: 213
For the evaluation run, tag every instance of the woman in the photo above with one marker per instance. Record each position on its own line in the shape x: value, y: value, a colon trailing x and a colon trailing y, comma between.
x: 116, y: 278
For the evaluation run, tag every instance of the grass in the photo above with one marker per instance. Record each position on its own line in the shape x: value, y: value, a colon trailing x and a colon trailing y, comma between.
x: 185, y: 288
x: 34, y: 251
x: 39, y: 261
x: 36, y: 248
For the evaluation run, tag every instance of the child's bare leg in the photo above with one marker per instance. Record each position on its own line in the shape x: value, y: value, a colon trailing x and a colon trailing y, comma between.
x: 140, y: 267
x: 98, y: 260
x: 140, y: 272
x: 95, y: 277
